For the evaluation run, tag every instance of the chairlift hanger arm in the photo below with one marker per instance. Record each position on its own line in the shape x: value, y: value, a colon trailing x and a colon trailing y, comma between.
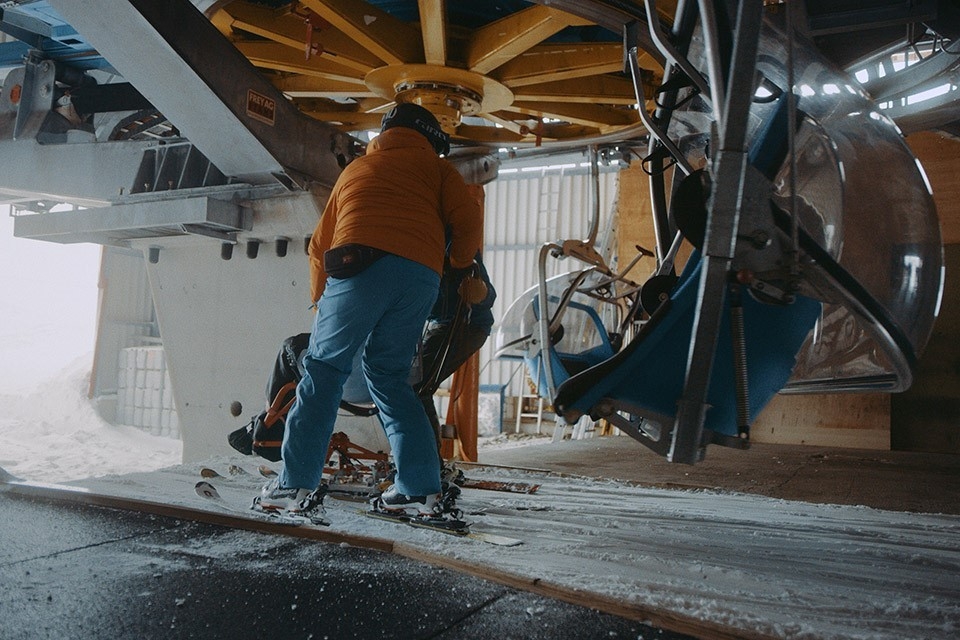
x: 729, y: 169
x: 669, y: 52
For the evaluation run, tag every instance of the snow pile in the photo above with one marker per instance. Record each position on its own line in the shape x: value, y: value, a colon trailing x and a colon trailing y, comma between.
x: 54, y: 434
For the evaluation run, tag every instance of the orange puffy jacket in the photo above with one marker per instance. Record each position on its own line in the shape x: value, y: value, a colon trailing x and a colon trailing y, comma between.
x: 400, y: 197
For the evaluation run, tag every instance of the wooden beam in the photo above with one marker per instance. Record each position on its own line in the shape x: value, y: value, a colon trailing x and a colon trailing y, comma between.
x: 499, y: 42
x: 940, y: 156
x: 79, y: 495
x: 391, y: 40
x: 433, y: 20
x: 648, y: 614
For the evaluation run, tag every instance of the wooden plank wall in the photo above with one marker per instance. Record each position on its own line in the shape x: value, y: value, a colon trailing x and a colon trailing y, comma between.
x: 940, y: 157
x: 635, y: 224
x: 927, y: 416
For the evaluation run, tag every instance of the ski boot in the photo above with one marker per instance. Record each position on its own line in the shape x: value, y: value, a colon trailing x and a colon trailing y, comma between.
x: 294, y: 502
x: 435, y: 511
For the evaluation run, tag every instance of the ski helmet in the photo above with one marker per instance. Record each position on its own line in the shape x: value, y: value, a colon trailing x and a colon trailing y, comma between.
x: 413, y: 116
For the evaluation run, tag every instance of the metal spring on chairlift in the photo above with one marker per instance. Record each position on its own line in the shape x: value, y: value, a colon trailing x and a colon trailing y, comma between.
x: 740, y: 363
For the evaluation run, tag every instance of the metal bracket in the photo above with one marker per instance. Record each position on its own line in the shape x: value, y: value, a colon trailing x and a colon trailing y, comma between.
x: 27, y: 98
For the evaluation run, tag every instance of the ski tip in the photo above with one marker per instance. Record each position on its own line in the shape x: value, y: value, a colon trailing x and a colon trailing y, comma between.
x: 236, y: 470
x: 206, y: 490
x: 207, y: 472
x: 266, y: 471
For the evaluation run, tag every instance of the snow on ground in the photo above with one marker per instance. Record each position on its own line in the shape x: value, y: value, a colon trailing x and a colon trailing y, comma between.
x: 771, y: 568
x: 512, y: 441
x: 49, y: 431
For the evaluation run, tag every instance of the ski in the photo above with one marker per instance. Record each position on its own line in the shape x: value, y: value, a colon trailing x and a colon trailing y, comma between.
x: 360, y: 493
x: 451, y: 527
x: 365, y: 489
x: 213, y: 474
x: 355, y: 491
x: 236, y: 470
x: 206, y: 490
x: 496, y: 485
x: 457, y: 528
x: 351, y: 492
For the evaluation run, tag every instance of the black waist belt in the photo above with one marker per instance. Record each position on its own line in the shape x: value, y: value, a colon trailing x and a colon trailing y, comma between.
x: 348, y: 260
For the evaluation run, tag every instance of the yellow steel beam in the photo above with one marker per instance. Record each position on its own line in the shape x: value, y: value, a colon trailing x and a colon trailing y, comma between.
x: 546, y: 63
x: 279, y: 26
x: 502, y: 40
x: 222, y: 22
x: 489, y: 134
x: 375, y: 104
x: 348, y: 120
x: 550, y: 62
x: 390, y: 39
x: 291, y: 30
x: 564, y: 130
x: 271, y: 55
x: 527, y: 131
x: 503, y: 119
x: 595, y: 89
x: 301, y: 86
x: 591, y: 115
x: 433, y: 20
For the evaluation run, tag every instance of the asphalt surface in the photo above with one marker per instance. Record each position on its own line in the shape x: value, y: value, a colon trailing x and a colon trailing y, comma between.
x: 78, y: 571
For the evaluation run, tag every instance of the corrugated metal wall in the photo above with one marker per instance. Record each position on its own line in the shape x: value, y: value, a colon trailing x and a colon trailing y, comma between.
x: 526, y: 207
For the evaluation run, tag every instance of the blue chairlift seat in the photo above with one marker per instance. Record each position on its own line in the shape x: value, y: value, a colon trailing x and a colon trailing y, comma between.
x: 647, y: 377
x: 567, y: 363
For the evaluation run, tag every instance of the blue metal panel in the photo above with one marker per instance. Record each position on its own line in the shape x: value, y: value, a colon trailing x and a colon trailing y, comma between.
x: 38, y: 26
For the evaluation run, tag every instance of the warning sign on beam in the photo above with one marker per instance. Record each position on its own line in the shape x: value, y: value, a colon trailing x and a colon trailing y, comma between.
x: 261, y: 107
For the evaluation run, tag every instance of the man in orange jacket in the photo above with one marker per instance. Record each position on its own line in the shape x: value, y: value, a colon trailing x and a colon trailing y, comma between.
x: 375, y: 262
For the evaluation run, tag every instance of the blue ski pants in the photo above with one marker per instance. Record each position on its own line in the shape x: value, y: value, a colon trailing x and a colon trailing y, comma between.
x: 381, y: 310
